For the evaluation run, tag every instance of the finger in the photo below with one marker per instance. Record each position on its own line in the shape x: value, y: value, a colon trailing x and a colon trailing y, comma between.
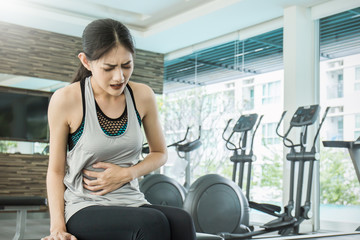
x: 91, y: 174
x: 94, y: 182
x: 86, y: 181
x: 93, y: 188
x: 73, y: 237
x: 63, y: 237
x: 102, y: 165
x: 68, y: 236
x: 90, y: 182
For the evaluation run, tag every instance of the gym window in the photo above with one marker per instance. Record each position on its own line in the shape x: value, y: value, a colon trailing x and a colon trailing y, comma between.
x: 271, y: 93
x: 335, y: 83
x: 335, y: 129
x: 248, y: 95
x: 236, y: 74
x: 357, y: 79
x: 269, y: 135
x: 339, y: 86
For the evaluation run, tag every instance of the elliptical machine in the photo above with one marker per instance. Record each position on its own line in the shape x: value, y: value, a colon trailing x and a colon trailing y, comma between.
x: 218, y: 207
x: 244, y: 125
x: 162, y: 190
x: 216, y: 203
x: 303, y: 118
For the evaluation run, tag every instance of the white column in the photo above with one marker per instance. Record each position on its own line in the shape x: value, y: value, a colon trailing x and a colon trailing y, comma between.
x: 299, y: 58
x: 301, y: 86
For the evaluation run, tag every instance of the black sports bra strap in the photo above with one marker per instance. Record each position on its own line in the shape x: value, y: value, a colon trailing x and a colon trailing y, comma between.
x: 132, y: 96
x: 82, y: 86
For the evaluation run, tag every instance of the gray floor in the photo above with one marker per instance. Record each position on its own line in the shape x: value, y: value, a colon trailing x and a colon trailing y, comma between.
x: 36, y: 228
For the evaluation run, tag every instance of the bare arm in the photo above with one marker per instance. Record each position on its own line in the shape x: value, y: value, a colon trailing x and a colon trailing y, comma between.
x: 59, y: 130
x: 154, y: 135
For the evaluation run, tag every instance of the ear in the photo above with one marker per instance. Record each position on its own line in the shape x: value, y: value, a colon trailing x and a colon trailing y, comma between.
x: 84, y: 61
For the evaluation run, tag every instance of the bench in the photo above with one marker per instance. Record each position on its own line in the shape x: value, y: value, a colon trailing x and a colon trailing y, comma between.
x: 21, y: 205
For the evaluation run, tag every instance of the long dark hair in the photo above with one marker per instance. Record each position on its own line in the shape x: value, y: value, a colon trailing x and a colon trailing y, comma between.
x: 99, y: 37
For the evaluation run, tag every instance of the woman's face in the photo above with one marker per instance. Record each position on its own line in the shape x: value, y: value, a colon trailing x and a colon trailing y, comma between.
x: 112, y: 72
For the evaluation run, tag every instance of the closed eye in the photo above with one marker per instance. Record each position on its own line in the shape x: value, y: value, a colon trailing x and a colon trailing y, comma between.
x: 109, y: 67
x: 126, y: 65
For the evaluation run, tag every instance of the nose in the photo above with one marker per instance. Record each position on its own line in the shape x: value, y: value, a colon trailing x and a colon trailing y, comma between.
x: 119, y: 75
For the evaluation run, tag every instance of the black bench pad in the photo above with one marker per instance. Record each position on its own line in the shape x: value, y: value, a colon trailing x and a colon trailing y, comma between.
x: 22, y: 201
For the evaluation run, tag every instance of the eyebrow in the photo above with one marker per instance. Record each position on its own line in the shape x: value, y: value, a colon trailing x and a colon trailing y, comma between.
x: 112, y: 65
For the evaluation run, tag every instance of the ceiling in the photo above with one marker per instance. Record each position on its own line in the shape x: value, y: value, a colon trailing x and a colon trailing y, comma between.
x: 160, y: 26
x: 163, y: 26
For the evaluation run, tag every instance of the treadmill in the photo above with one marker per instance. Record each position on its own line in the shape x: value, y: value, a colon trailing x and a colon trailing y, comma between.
x: 354, y: 151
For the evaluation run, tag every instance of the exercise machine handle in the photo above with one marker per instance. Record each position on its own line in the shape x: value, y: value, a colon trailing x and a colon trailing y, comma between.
x: 199, y: 133
x: 287, y: 133
x: 183, y: 140
x: 228, y: 139
x: 278, y: 125
x: 146, y: 148
x: 227, y: 125
x: 256, y: 128
x: 188, y: 146
x: 320, y: 125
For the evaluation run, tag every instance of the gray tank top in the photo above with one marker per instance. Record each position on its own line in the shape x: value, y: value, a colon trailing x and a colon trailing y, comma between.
x: 95, y: 146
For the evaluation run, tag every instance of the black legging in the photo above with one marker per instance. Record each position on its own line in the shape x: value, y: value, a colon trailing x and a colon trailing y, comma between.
x: 149, y: 222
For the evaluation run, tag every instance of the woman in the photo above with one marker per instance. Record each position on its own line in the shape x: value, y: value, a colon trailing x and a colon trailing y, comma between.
x: 92, y: 187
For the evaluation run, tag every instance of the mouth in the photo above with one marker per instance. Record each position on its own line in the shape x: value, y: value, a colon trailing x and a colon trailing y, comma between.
x: 116, y: 86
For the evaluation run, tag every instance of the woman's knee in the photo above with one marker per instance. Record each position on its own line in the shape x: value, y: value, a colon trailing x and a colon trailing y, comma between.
x: 100, y: 222
x: 154, y: 222
x: 185, y: 215
x: 178, y: 214
x: 182, y: 226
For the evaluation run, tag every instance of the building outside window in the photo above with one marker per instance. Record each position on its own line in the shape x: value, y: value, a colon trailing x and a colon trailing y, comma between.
x: 213, y: 106
x: 270, y: 95
x: 339, y: 89
x: 343, y: 123
x: 248, y: 94
x: 357, y: 79
x: 357, y: 126
x: 269, y: 136
x: 334, y: 84
x: 335, y: 128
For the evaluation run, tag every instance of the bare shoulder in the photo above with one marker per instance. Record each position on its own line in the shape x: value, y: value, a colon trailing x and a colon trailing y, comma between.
x: 67, y: 95
x: 66, y: 99
x: 141, y: 90
x: 144, y: 98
